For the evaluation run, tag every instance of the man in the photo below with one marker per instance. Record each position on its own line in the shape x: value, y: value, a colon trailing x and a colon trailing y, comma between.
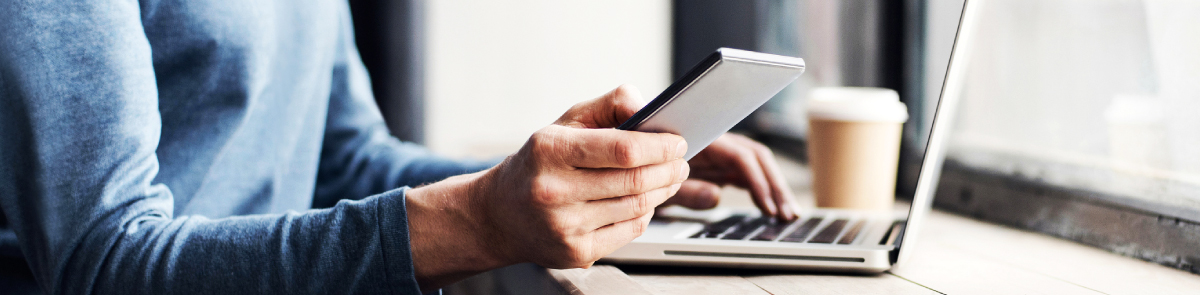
x: 180, y: 147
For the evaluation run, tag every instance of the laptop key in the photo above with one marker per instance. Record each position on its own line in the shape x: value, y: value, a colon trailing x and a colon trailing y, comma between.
x: 746, y: 228
x: 852, y: 233
x: 771, y: 231
x: 798, y: 235
x: 830, y: 233
x: 716, y: 229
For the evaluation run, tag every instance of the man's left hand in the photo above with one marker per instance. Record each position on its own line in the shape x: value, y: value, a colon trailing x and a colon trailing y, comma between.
x: 740, y: 161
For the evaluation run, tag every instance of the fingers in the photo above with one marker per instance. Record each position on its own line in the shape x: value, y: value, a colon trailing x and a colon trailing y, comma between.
x: 611, y: 237
x: 612, y: 210
x: 607, y: 183
x: 607, y: 148
x: 741, y: 161
x: 606, y: 111
x: 696, y: 194
x: 745, y: 161
x: 781, y: 193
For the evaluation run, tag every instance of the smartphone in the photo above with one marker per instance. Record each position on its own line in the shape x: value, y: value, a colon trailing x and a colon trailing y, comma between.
x: 716, y: 94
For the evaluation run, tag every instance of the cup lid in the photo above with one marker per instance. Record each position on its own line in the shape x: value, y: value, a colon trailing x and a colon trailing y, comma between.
x: 857, y: 104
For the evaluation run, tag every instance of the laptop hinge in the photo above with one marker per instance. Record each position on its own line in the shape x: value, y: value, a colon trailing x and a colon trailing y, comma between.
x: 894, y: 237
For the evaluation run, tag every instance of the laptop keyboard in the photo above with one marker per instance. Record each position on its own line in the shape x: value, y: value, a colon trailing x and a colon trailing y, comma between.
x: 746, y: 228
x: 801, y: 233
x: 717, y: 229
x: 772, y: 231
x: 742, y: 227
x: 830, y: 232
x: 852, y: 233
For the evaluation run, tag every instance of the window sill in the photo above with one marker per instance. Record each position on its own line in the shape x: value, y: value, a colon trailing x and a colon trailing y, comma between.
x: 1072, y: 214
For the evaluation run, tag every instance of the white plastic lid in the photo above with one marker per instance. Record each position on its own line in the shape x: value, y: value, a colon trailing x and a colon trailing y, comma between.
x: 856, y: 104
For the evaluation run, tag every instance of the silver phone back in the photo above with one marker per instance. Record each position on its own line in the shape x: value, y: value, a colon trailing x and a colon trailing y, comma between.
x: 729, y: 86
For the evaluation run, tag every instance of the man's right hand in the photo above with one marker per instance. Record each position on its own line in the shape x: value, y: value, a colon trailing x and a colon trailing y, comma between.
x: 576, y: 191
x: 572, y: 195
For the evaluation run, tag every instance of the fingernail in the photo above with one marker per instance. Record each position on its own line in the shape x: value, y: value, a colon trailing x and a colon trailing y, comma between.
x: 681, y: 149
x: 788, y: 213
x: 683, y: 172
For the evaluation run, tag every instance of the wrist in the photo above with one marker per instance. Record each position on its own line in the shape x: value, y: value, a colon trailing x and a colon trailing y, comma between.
x: 450, y: 237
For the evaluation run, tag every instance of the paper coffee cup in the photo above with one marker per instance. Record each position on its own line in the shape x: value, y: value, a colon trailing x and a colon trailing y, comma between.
x: 854, y: 146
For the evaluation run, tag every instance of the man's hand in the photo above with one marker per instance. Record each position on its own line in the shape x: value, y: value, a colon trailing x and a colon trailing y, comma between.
x: 732, y: 159
x: 576, y: 191
x: 736, y: 160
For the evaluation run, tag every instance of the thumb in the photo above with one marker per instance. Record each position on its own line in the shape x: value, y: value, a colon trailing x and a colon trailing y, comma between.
x: 607, y: 111
x: 696, y: 194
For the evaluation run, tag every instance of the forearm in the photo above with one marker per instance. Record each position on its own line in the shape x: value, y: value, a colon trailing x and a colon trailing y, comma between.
x: 449, y: 242
x: 354, y: 247
x: 353, y: 167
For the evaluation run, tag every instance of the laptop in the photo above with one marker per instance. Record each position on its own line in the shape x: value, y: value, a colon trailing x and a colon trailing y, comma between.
x: 820, y: 239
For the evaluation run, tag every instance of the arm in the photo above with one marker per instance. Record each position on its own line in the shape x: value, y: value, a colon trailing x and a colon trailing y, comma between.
x: 576, y: 191
x: 359, y: 157
x: 79, y: 126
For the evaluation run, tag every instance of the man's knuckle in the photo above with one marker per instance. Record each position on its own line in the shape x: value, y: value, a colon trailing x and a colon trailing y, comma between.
x: 668, y: 146
x: 635, y: 181
x: 622, y: 89
x: 617, y: 98
x: 638, y: 203
x: 570, y: 225
x: 545, y: 140
x: 537, y: 141
x: 625, y: 151
x: 623, y: 93
x: 638, y: 228
x: 547, y: 190
x: 643, y: 204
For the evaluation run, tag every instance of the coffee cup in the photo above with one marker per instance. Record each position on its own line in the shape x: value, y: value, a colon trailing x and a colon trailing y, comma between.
x: 854, y: 146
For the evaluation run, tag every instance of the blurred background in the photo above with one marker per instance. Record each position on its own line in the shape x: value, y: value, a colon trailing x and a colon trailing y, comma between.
x: 1064, y: 102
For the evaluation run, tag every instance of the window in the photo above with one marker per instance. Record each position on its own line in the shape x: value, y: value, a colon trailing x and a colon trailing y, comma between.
x: 1077, y: 118
x: 1087, y: 99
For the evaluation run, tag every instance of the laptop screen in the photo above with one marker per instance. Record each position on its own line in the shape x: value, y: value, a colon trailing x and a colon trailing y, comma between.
x: 931, y: 163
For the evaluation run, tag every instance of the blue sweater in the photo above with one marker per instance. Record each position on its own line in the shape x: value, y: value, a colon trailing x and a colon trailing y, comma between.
x: 180, y: 146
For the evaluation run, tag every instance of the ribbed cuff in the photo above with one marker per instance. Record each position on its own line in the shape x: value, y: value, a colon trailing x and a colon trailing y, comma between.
x: 397, y: 248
